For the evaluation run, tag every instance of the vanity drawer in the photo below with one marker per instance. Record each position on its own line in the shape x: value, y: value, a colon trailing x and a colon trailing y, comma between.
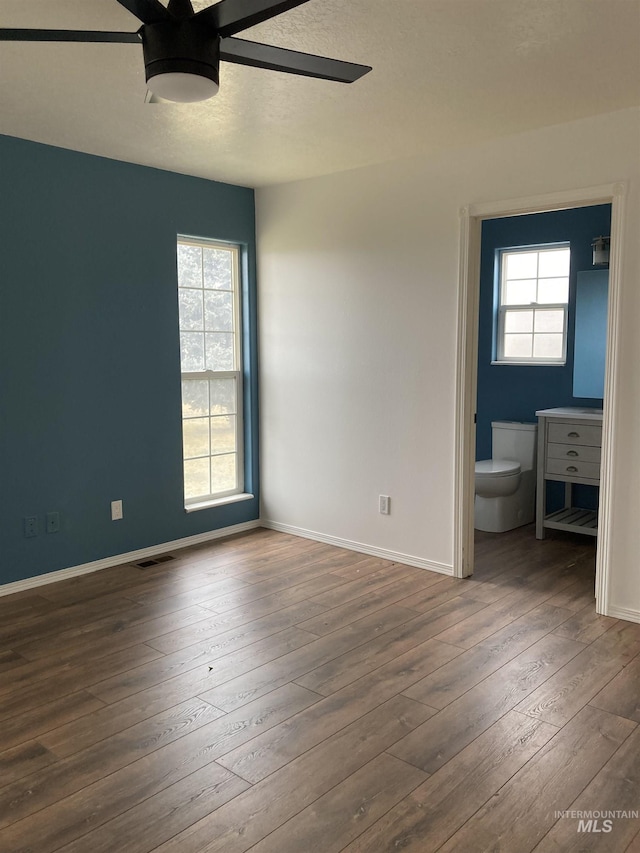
x: 575, y: 433
x: 585, y: 453
x: 573, y: 468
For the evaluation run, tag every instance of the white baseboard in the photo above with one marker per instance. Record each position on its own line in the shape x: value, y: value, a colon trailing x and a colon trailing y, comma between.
x: 624, y: 613
x: 131, y: 557
x: 393, y: 556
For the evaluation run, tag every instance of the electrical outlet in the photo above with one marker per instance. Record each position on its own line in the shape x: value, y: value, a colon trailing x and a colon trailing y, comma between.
x: 30, y: 526
x: 53, y: 522
x: 116, y: 510
x: 384, y: 504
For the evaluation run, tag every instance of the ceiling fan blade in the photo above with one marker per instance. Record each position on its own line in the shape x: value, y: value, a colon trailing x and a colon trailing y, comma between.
x: 231, y: 16
x: 147, y: 11
x: 290, y: 61
x: 69, y: 35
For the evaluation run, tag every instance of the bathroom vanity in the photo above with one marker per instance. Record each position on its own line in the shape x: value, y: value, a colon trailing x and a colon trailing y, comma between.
x: 569, y: 442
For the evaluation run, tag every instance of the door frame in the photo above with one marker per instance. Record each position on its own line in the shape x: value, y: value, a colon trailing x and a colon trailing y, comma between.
x: 471, y: 218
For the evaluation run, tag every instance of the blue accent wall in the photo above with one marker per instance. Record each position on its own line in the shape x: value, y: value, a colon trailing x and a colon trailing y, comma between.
x: 515, y: 392
x: 89, y: 353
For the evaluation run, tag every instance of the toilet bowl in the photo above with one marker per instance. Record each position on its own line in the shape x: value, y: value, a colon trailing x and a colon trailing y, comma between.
x: 497, y: 478
x: 505, y: 484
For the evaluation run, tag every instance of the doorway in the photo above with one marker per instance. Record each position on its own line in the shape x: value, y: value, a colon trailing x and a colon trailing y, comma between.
x: 472, y: 219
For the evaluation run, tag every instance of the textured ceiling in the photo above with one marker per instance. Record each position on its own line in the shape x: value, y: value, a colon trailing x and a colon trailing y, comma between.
x: 445, y: 73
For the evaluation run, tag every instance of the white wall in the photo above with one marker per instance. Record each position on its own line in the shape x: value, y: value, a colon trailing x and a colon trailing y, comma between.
x: 358, y: 280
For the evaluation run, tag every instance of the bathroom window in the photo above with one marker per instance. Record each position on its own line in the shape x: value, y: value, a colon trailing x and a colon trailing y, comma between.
x: 210, y: 345
x: 532, y: 309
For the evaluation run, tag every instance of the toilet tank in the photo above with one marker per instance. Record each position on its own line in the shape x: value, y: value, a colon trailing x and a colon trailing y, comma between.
x: 514, y: 440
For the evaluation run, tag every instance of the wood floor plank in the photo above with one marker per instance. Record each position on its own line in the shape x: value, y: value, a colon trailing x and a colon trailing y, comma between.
x: 350, y: 590
x: 31, y: 725
x: 65, y: 680
x: 238, y: 621
x: 347, y: 668
x: 341, y: 814
x: 23, y: 760
x: 149, y: 621
x: 94, y: 649
x: 144, y: 827
x: 586, y: 626
x: 344, y: 614
x: 444, y: 735
x: 47, y: 786
x: 440, y: 806
x: 621, y: 695
x: 524, y: 809
x: 10, y: 660
x: 361, y: 568
x: 250, y: 817
x: 568, y: 690
x: 477, y: 627
x: 275, y: 748
x: 614, y: 789
x: 261, y: 599
x: 205, y: 652
x: 112, y: 796
x: 433, y: 595
x: 461, y: 674
x: 237, y: 691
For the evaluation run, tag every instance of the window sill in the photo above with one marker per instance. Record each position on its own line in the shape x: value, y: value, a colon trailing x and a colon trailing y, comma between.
x: 529, y: 363
x: 228, y: 499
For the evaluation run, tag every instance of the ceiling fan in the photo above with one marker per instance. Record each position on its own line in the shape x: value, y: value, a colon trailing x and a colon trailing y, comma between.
x: 182, y: 48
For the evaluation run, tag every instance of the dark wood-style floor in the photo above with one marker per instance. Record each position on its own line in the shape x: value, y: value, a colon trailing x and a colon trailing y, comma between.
x: 269, y: 693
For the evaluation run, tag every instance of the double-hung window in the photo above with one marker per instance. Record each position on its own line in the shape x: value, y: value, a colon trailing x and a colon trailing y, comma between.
x: 210, y: 355
x: 532, y: 305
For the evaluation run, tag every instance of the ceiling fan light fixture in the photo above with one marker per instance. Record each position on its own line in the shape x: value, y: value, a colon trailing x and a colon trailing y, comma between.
x: 182, y: 87
x: 182, y: 60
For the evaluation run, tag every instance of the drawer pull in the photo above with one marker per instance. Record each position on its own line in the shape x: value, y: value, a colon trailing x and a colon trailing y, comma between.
x: 573, y: 435
x: 571, y: 468
x: 572, y: 452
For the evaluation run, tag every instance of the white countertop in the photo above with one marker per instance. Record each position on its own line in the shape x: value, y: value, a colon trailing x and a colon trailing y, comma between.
x: 572, y: 413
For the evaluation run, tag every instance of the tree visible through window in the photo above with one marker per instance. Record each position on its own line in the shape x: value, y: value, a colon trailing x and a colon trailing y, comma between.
x: 210, y: 354
x: 533, y: 299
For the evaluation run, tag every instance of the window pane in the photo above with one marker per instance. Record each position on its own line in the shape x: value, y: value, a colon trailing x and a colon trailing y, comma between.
x: 549, y: 321
x: 197, y: 481
x: 521, y: 264
x: 189, y: 266
x: 553, y: 290
x: 223, y: 473
x: 219, y: 351
x: 519, y: 292
x: 518, y: 346
x: 223, y: 434
x: 554, y: 263
x: 191, y: 351
x: 223, y: 396
x: 547, y: 346
x: 218, y: 308
x: 218, y: 269
x: 195, y: 437
x: 191, y: 313
x: 195, y: 397
x: 518, y: 321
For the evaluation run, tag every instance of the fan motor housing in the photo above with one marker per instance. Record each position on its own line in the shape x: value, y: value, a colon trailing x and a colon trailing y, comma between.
x: 180, y: 47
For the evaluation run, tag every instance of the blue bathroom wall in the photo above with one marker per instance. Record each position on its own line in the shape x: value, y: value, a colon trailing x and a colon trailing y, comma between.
x: 516, y: 392
x: 89, y: 353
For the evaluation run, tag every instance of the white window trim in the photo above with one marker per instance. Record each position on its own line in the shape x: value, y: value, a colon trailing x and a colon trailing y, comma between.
x: 238, y: 494
x: 533, y: 361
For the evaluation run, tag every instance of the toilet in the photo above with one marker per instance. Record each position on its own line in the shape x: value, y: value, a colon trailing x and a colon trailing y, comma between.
x: 506, y: 483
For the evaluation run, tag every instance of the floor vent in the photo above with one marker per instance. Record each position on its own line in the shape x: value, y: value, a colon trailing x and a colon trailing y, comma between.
x: 145, y: 564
